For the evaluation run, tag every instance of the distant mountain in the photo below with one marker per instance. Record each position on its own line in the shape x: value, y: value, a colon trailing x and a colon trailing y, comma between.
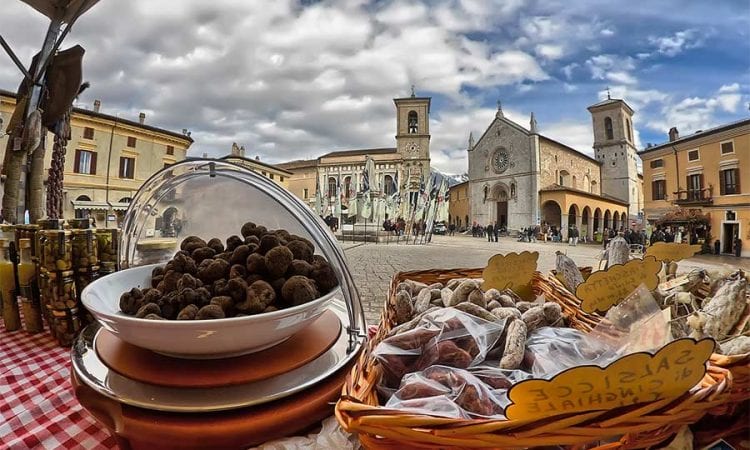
x: 452, y: 179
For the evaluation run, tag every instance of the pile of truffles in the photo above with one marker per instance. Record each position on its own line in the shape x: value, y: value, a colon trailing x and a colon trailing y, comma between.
x: 260, y: 272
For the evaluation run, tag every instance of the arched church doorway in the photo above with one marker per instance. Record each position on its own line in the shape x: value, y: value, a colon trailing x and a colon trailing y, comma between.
x: 552, y: 214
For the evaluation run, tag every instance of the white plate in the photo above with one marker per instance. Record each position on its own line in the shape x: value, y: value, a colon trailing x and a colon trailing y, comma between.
x: 194, y: 339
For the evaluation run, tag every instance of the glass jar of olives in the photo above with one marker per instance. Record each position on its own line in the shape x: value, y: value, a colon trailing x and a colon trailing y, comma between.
x: 58, y: 291
x: 27, y: 232
x: 80, y: 224
x: 55, y: 250
x: 108, y: 241
x: 85, y: 249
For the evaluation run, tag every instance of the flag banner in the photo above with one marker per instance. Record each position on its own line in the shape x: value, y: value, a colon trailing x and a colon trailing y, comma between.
x: 353, y: 206
x: 366, y: 211
x: 318, y: 198
x: 337, y: 207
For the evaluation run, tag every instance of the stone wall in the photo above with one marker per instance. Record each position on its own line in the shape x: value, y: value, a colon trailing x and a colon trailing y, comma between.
x: 581, y: 172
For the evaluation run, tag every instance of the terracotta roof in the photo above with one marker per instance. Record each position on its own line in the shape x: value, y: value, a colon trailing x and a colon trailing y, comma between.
x: 298, y: 164
x: 606, y: 198
x: 690, y: 137
x: 100, y: 115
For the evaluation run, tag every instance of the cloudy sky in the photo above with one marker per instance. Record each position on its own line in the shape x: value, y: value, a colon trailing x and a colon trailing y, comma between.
x: 294, y: 79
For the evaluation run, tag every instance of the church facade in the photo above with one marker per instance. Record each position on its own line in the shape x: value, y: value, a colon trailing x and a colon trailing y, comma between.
x: 397, y: 169
x: 519, y: 177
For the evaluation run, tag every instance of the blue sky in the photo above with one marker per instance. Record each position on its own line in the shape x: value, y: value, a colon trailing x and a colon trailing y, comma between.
x: 291, y: 79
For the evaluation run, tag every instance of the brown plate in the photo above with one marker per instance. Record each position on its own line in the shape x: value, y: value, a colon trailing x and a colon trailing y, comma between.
x: 141, y: 429
x: 148, y: 367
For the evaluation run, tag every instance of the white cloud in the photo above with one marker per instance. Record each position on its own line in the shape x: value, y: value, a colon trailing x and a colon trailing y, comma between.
x: 607, y: 32
x: 601, y: 65
x: 678, y: 42
x: 549, y: 51
x: 690, y: 114
x: 621, y: 77
x: 573, y: 134
x: 568, y: 70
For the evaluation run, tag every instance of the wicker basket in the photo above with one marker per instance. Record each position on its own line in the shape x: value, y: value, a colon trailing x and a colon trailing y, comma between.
x: 632, y: 427
x: 739, y: 365
x: 736, y: 399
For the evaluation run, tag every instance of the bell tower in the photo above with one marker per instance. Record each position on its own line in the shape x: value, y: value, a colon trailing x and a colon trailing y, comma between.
x: 413, y: 134
x: 614, y: 148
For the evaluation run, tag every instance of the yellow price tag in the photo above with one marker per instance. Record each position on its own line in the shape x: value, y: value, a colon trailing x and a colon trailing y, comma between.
x: 606, y: 288
x: 512, y: 271
x: 640, y: 377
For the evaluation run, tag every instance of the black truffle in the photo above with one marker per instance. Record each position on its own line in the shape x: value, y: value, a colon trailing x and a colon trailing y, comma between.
x: 148, y: 308
x: 188, y: 313
x: 188, y: 281
x: 299, y: 267
x: 298, y: 290
x: 190, y: 243
x: 260, y: 295
x: 277, y: 261
x: 184, y: 264
x: 216, y: 270
x: 240, y: 254
x: 237, y: 271
x: 216, y: 245
x: 224, y: 302
x: 324, y: 277
x: 268, y: 242
x: 247, y: 229
x: 233, y: 242
x: 203, y: 253
x: 131, y: 301
x: 300, y: 250
x: 210, y: 312
x: 255, y: 264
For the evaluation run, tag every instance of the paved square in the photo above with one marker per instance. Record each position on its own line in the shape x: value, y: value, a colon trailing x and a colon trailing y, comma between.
x: 373, y: 265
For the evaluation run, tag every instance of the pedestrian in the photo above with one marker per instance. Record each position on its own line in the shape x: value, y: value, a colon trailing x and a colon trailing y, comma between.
x: 573, y: 236
x: 490, y: 232
x: 452, y: 229
x: 496, y: 231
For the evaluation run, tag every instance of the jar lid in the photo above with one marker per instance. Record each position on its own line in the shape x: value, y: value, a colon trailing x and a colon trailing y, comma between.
x: 55, y: 233
x: 27, y: 227
x: 80, y: 224
x: 89, y: 269
x: 51, y: 224
x: 44, y: 273
x: 83, y: 232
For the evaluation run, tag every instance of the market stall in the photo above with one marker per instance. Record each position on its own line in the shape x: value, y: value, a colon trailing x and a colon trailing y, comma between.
x: 249, y: 329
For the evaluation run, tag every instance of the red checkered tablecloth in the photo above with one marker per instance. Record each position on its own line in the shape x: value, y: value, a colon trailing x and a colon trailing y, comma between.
x: 37, y: 407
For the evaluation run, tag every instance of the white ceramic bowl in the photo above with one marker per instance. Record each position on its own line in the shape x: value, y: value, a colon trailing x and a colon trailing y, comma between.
x: 194, y: 339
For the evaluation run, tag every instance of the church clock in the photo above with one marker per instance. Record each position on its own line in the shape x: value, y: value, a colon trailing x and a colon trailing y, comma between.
x: 412, y: 148
x: 500, y: 161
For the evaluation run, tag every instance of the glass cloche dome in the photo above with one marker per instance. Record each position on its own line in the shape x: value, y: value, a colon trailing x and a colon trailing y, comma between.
x: 214, y: 198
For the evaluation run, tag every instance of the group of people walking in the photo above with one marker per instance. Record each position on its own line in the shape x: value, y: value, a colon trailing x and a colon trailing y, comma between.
x: 491, y: 231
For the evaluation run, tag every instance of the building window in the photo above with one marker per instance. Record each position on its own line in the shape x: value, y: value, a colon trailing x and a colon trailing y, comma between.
x: 85, y: 162
x: 512, y: 190
x: 608, y: 128
x: 730, y: 181
x: 270, y: 175
x: 127, y: 168
x: 695, y: 186
x: 331, y: 187
x: 694, y: 155
x: 389, y: 187
x: 88, y: 133
x: 305, y: 193
x: 656, y: 163
x: 659, y: 190
x: 347, y: 186
x: 262, y: 172
x: 131, y: 141
x: 170, y: 150
x: 627, y: 127
x: 413, y: 120
x: 727, y: 147
x: 281, y: 179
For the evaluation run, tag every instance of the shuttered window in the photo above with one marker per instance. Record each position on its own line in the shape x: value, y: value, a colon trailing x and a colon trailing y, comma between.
x: 85, y: 162
x: 127, y: 167
x: 729, y: 181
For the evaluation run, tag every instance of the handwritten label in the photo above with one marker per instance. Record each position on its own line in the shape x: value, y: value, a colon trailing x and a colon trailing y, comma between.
x: 674, y: 282
x: 635, y: 378
x: 669, y: 251
x: 606, y: 288
x: 512, y: 271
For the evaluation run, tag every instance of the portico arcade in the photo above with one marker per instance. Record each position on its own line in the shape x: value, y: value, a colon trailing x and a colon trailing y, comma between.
x: 562, y: 207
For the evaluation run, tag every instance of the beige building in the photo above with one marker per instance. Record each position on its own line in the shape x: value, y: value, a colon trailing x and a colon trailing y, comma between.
x: 278, y: 175
x: 519, y: 177
x: 703, y: 174
x: 108, y: 159
x: 458, y: 207
x: 399, y: 168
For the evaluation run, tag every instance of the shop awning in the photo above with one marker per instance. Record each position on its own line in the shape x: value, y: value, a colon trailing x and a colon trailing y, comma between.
x: 85, y: 204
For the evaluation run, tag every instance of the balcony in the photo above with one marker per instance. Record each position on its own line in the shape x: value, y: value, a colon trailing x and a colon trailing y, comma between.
x: 694, y: 197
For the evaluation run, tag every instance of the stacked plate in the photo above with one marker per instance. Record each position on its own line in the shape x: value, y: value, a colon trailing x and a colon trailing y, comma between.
x: 223, y: 383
